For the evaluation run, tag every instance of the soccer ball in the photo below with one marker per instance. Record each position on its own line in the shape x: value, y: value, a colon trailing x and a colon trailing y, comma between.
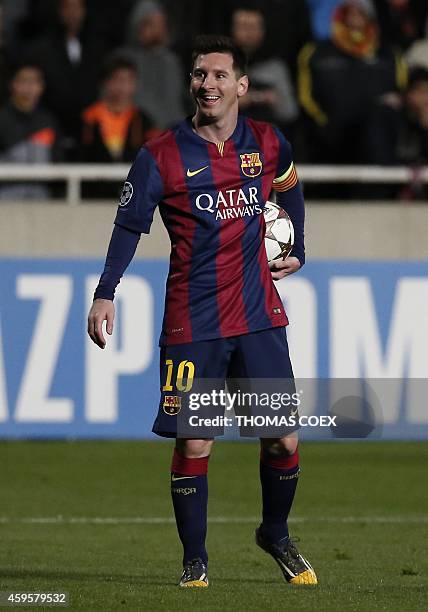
x: 279, y: 237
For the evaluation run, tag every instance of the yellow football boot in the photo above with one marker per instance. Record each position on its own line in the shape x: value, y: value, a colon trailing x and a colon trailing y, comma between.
x: 295, y: 568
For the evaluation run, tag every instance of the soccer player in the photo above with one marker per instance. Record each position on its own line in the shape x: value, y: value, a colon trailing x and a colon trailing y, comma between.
x: 211, y: 176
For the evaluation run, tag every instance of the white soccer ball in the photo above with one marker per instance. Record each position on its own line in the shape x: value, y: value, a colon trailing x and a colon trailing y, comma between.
x: 279, y: 237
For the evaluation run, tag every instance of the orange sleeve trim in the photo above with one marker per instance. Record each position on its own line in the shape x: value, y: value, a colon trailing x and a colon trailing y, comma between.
x: 94, y: 112
x: 44, y: 137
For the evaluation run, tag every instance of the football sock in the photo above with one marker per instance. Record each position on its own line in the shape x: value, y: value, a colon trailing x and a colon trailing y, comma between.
x: 189, y: 490
x: 278, y: 476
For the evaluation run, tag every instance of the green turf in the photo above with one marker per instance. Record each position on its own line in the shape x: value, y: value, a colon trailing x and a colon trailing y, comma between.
x: 362, y: 565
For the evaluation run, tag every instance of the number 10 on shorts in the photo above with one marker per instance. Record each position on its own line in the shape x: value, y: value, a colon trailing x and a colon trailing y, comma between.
x: 184, y: 375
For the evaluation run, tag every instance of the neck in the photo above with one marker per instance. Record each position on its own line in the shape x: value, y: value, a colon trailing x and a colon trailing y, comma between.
x: 215, y: 130
x: 117, y: 106
x: 22, y: 105
x: 72, y: 34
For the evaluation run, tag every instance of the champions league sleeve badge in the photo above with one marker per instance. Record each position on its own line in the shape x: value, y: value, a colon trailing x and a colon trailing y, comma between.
x: 126, y: 195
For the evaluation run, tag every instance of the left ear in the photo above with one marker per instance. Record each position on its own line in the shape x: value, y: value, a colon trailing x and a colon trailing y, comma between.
x: 243, y: 85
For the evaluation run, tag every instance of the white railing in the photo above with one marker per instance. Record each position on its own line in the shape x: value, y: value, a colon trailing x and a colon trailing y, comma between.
x: 74, y: 174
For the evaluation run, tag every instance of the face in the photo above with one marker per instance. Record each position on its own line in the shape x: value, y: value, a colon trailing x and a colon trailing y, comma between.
x: 120, y: 85
x: 398, y: 4
x: 355, y: 18
x: 215, y: 86
x: 27, y: 87
x: 153, y: 30
x: 417, y: 97
x: 72, y: 14
x: 248, y: 29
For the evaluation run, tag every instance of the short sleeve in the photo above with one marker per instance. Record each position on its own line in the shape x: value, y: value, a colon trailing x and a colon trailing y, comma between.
x: 141, y: 193
x: 286, y: 175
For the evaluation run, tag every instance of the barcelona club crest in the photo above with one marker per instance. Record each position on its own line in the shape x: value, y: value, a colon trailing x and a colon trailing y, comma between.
x: 251, y: 164
x: 172, y: 404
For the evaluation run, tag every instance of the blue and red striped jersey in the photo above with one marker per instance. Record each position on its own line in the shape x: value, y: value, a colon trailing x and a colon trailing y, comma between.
x: 211, y: 198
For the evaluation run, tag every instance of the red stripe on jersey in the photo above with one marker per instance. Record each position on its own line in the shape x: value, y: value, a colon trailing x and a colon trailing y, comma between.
x: 269, y: 144
x: 229, y: 259
x: 272, y: 299
x: 177, y: 321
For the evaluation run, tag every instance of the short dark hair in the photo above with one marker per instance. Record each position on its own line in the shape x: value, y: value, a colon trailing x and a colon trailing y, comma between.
x: 115, y: 63
x: 252, y: 6
x: 213, y: 43
x: 417, y: 75
x: 25, y: 64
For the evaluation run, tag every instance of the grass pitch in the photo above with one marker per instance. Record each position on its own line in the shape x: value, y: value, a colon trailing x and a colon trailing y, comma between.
x: 94, y: 519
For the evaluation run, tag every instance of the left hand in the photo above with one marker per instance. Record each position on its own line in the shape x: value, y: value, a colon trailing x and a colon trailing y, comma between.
x: 280, y: 268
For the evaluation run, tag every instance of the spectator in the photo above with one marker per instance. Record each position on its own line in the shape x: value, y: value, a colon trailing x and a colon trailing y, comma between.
x: 107, y: 19
x: 70, y: 57
x: 399, y: 133
x: 288, y: 24
x: 401, y: 21
x: 28, y: 133
x: 271, y: 96
x: 114, y: 129
x: 160, y: 89
x: 288, y: 28
x: 188, y: 18
x: 339, y: 81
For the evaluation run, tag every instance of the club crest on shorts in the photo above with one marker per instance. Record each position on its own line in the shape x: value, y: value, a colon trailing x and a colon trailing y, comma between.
x: 251, y: 164
x: 126, y: 195
x: 172, y: 404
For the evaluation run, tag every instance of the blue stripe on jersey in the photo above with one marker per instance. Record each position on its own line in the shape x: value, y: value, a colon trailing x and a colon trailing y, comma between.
x: 204, y: 320
x: 253, y: 288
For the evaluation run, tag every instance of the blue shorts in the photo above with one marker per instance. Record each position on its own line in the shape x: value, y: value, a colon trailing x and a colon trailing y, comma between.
x: 259, y: 355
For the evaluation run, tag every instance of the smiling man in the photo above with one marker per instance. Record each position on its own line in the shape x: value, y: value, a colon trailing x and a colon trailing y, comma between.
x: 211, y: 176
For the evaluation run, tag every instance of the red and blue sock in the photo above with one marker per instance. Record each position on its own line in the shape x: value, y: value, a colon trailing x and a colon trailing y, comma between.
x: 189, y: 491
x: 278, y: 477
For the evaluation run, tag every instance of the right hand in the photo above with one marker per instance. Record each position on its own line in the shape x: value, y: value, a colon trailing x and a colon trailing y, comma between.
x: 101, y: 310
x: 281, y: 268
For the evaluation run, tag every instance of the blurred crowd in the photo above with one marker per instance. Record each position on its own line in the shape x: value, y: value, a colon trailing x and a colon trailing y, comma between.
x: 91, y: 80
